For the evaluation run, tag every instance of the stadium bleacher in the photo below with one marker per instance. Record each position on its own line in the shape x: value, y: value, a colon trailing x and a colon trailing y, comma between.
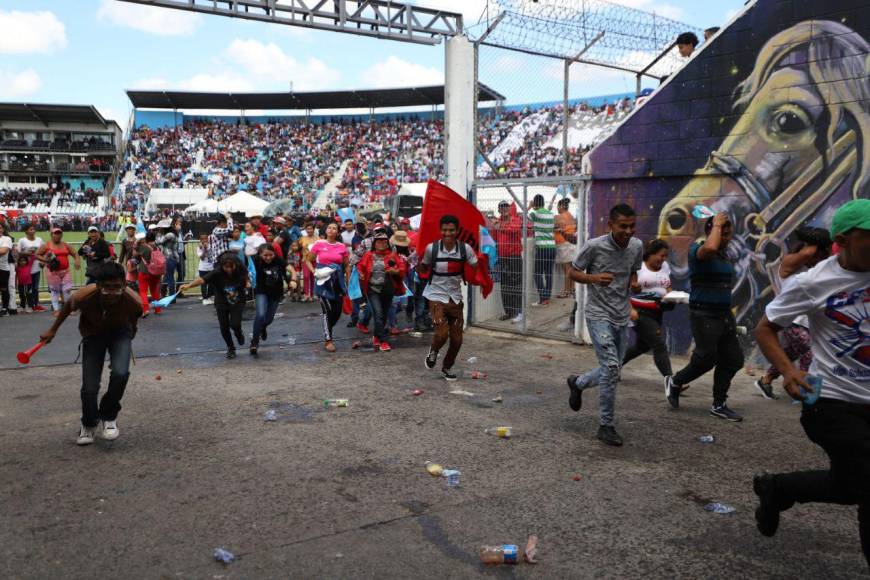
x: 360, y: 158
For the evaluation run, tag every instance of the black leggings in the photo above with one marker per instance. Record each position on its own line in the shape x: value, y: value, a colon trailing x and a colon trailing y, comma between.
x: 231, y: 319
x: 649, y: 335
x: 4, y: 287
x: 331, y: 313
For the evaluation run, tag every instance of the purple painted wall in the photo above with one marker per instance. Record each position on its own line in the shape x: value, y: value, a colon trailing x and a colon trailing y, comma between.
x: 768, y: 121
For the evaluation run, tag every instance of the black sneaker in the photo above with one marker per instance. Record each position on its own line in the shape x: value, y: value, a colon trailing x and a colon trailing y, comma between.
x: 505, y: 316
x: 723, y: 412
x: 765, y: 388
x: 672, y: 392
x: 231, y: 353
x: 575, y: 399
x: 608, y: 435
x: 240, y: 338
x: 255, y: 346
x: 351, y: 324
x: 769, y: 507
x: 4, y: 312
x: 263, y: 334
x: 431, y: 359
x: 448, y: 375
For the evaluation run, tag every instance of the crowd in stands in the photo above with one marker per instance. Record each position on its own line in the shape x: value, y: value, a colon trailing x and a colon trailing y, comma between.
x: 284, y: 160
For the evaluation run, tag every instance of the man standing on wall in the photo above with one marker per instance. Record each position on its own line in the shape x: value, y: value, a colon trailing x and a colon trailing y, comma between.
x: 714, y: 328
x: 444, y: 262
x: 834, y: 297
x: 609, y: 265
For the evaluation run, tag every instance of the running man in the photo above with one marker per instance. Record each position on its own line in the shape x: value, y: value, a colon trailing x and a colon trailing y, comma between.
x: 834, y: 297
x: 713, y: 325
x: 609, y: 265
x: 109, y: 315
x: 444, y: 262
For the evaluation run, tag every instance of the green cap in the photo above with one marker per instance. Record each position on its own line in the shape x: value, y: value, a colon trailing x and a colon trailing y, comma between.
x: 854, y: 214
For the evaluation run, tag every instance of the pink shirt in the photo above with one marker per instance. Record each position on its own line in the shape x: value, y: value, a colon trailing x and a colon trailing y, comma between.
x: 327, y: 253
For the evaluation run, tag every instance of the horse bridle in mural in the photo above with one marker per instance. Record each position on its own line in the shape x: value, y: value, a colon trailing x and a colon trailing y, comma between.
x: 817, y: 168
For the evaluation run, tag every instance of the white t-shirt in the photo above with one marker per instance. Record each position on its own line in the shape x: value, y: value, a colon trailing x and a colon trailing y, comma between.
x: 252, y: 243
x: 657, y: 282
x: 447, y: 288
x: 5, y: 242
x: 784, y: 283
x: 837, y: 304
x: 24, y: 245
x: 347, y: 237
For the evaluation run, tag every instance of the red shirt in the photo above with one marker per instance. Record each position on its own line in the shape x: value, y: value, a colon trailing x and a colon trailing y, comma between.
x: 508, y: 236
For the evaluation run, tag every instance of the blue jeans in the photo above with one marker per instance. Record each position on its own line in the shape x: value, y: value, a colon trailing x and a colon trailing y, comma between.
x: 545, y: 260
x: 94, y: 348
x: 380, y: 304
x: 169, y: 277
x: 610, y: 342
x: 34, y: 289
x: 266, y: 308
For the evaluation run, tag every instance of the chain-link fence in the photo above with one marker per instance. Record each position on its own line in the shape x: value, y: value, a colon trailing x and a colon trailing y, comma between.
x: 186, y: 270
x: 534, y: 224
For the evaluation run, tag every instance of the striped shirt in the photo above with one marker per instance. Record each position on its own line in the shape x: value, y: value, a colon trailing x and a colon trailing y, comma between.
x: 543, y: 224
x: 218, y: 241
x: 711, y: 281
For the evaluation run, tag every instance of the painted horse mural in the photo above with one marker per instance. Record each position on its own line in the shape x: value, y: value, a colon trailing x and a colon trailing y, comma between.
x: 796, y: 152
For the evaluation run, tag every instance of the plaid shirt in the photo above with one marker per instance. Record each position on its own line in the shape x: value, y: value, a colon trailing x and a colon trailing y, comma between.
x: 218, y: 241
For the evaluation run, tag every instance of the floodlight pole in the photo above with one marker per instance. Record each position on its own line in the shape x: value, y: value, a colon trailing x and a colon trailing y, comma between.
x: 567, y: 77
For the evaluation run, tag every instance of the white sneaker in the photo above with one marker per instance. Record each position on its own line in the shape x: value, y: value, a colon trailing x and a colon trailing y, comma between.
x: 208, y: 302
x: 110, y: 430
x: 86, y: 435
x: 518, y: 318
x: 28, y: 310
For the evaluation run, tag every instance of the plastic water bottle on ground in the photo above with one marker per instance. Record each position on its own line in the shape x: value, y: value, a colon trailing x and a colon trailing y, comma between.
x: 472, y: 359
x: 434, y: 469
x: 330, y: 403
x: 291, y: 341
x: 706, y: 439
x: 501, y: 432
x: 270, y: 415
x: 719, y: 508
x: 474, y: 374
x: 223, y: 556
x: 452, y: 476
x: 503, y: 554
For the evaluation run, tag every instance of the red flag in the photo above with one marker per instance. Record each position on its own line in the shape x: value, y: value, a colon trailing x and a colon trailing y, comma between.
x: 440, y: 200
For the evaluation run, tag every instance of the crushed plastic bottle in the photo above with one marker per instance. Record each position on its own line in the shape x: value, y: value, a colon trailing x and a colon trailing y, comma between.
x: 434, y: 469
x: 291, y: 341
x: 741, y: 330
x: 328, y: 403
x: 706, y: 439
x: 416, y: 334
x: 270, y: 415
x: 503, y: 554
x: 501, y: 432
x: 452, y: 476
x: 815, y: 382
x: 474, y: 374
x: 472, y: 359
x: 498, y: 399
x: 719, y: 508
x: 224, y: 556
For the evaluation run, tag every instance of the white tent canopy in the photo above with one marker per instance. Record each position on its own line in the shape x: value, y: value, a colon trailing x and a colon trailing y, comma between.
x: 181, y: 197
x: 241, y: 202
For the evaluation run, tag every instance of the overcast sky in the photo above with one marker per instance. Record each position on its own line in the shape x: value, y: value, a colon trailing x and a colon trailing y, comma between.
x: 89, y: 51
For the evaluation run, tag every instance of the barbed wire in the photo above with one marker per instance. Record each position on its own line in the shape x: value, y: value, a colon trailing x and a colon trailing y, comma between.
x: 612, y: 35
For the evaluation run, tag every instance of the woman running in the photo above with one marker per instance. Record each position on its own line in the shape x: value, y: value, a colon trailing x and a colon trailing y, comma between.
x: 381, y: 274
x: 813, y: 246
x: 654, y: 281
x: 147, y: 281
x: 328, y: 264
x: 229, y: 281
x: 271, y: 274
x: 56, y: 256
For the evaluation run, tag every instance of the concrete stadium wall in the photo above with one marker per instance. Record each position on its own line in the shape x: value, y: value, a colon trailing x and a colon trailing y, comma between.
x: 782, y: 96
